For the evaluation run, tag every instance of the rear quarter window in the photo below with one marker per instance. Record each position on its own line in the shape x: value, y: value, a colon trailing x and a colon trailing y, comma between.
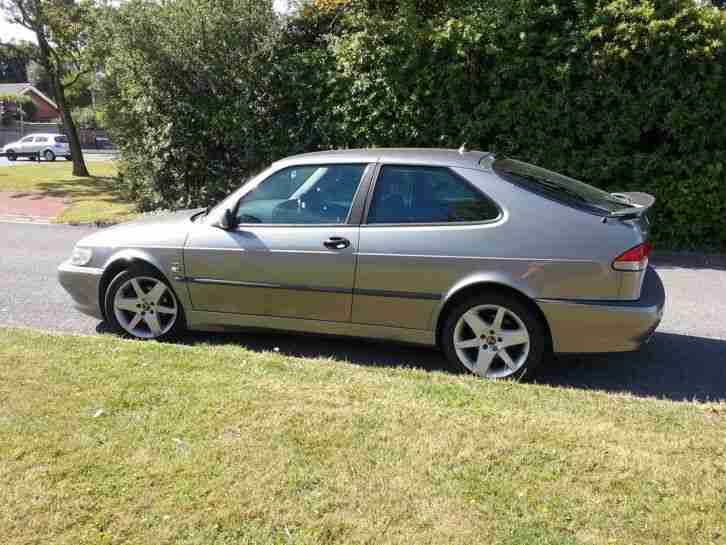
x: 416, y: 194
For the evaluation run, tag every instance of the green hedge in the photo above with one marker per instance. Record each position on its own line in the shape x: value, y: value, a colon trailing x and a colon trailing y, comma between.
x: 622, y: 94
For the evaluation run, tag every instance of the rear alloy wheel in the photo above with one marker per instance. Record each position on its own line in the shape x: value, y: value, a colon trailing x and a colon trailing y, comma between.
x: 140, y: 304
x: 494, y: 336
x: 49, y: 155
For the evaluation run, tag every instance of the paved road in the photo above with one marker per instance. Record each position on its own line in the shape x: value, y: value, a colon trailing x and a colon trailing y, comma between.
x: 92, y: 157
x: 685, y: 360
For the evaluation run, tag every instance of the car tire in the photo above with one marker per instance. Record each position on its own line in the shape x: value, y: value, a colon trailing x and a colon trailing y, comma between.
x: 11, y: 155
x: 69, y: 158
x: 134, y: 301
x: 495, y: 335
x: 48, y: 155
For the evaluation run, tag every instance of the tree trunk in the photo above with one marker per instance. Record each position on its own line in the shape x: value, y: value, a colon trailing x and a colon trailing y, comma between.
x: 56, y: 74
x: 79, y: 163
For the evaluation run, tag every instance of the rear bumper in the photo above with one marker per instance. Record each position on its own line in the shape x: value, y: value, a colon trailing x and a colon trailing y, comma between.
x: 82, y: 285
x: 606, y: 326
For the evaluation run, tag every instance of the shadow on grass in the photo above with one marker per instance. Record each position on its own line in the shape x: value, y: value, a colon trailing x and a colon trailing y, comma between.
x: 674, y: 367
x: 98, y: 188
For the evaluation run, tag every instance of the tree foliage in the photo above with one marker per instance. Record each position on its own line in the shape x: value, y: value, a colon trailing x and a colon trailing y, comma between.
x: 624, y: 94
x: 188, y: 98
x: 62, y: 29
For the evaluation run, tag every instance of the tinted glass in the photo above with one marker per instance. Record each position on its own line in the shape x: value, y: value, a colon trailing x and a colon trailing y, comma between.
x: 405, y: 194
x: 557, y: 186
x: 61, y: 139
x: 26, y: 140
x: 41, y: 139
x: 309, y: 194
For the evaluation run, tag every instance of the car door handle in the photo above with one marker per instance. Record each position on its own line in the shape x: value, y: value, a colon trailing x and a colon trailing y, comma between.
x: 337, y: 243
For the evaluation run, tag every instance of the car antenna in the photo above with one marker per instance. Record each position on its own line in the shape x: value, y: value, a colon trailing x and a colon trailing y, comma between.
x: 463, y: 149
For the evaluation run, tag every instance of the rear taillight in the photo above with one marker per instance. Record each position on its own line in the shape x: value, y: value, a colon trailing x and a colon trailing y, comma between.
x: 635, y: 259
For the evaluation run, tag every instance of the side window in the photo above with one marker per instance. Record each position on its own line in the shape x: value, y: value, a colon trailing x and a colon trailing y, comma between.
x: 305, y: 195
x: 27, y: 140
x: 412, y: 194
x: 41, y: 138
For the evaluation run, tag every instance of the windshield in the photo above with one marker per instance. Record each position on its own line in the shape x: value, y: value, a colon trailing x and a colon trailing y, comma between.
x: 559, y: 187
x: 61, y: 139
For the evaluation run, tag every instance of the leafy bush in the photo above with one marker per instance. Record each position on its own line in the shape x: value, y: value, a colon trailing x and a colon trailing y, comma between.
x: 187, y: 98
x: 623, y: 94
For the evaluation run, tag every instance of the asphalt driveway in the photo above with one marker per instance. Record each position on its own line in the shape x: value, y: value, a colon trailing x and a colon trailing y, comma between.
x: 686, y: 360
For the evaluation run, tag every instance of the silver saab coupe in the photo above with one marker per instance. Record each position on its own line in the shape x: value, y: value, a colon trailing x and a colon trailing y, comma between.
x: 495, y: 261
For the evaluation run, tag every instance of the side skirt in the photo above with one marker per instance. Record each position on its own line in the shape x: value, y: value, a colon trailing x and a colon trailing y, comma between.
x: 220, y: 321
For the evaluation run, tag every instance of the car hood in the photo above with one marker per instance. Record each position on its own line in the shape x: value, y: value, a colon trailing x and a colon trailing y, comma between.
x: 163, y: 230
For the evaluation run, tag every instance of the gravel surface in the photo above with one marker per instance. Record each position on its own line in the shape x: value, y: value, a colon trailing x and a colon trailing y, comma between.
x: 685, y: 360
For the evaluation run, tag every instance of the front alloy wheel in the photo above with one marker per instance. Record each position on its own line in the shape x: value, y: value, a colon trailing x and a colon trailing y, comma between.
x: 496, y: 337
x: 142, y: 305
x: 49, y: 155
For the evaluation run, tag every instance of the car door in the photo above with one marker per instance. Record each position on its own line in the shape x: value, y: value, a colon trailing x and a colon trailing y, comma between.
x: 292, y: 254
x: 26, y: 144
x: 40, y: 143
x: 423, y: 229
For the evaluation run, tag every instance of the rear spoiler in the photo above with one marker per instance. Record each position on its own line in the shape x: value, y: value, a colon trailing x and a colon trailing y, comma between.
x: 640, y: 204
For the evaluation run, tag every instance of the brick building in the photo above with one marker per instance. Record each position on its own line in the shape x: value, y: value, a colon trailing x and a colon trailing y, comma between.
x: 46, y: 109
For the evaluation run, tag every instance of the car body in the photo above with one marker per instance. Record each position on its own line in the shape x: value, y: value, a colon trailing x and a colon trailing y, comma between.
x: 47, y: 146
x: 420, y: 246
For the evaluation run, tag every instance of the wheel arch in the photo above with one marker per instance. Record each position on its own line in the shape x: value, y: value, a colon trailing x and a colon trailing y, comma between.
x: 120, y: 262
x: 476, y: 287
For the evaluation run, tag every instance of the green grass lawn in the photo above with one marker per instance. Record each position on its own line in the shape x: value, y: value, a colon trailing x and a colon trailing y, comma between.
x: 93, y: 199
x: 104, y: 441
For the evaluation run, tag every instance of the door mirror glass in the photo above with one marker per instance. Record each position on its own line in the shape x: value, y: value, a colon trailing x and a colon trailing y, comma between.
x: 303, y: 195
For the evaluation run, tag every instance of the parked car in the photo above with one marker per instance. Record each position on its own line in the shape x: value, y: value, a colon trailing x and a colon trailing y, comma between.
x: 47, y: 146
x: 495, y: 261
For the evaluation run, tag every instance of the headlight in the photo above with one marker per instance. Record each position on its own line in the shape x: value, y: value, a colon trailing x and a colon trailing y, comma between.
x: 81, y: 256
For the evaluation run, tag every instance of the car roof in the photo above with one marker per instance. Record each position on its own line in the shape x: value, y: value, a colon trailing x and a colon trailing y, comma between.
x: 412, y: 156
x: 43, y: 134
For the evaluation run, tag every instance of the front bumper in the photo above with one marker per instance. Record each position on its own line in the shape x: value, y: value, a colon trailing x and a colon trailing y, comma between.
x: 606, y: 326
x: 82, y: 284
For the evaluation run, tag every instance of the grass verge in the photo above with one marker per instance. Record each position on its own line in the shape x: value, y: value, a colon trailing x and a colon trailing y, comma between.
x: 104, y: 441
x: 91, y: 200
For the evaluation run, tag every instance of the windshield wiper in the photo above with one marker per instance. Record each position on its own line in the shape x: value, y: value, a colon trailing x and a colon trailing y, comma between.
x: 201, y: 214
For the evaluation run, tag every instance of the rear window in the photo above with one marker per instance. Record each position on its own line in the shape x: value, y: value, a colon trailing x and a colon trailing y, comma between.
x: 558, y: 187
x: 61, y: 139
x: 416, y: 194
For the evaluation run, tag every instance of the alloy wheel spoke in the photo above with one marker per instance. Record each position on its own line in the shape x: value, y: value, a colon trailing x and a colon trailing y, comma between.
x: 137, y: 288
x: 484, y: 361
x: 157, y: 292
x: 513, y: 338
x: 127, y: 304
x: 474, y: 321
x: 165, y: 310
x: 153, y: 322
x: 507, y: 359
x: 469, y: 343
x: 135, y: 321
x: 498, y: 319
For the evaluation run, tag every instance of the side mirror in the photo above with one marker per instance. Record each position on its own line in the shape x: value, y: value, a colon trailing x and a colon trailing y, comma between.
x: 228, y: 221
